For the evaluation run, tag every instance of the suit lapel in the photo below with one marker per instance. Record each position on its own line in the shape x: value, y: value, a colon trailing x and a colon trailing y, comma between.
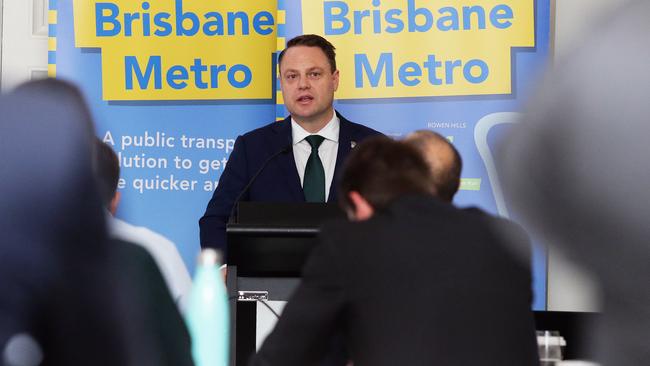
x: 282, y: 137
x: 346, y: 140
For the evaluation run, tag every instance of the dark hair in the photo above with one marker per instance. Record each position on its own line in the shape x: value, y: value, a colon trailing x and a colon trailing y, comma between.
x: 62, y: 92
x: 446, y: 175
x: 107, y: 170
x: 382, y: 170
x: 312, y: 40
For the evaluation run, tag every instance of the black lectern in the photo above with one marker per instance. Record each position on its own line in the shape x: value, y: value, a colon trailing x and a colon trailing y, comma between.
x: 268, y: 244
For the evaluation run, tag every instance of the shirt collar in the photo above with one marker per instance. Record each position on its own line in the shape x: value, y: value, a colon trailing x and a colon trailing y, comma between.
x: 329, y: 132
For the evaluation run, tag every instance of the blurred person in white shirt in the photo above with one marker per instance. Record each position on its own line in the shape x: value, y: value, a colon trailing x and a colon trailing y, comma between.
x: 162, y: 250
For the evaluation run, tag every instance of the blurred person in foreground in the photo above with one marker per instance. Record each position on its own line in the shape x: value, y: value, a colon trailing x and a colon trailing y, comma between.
x: 577, y: 170
x: 154, y: 322
x: 73, y: 296
x: 411, y: 280
x: 162, y: 250
x: 58, y: 305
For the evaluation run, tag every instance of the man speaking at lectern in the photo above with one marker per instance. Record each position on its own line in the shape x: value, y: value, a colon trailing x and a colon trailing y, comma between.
x: 297, y: 159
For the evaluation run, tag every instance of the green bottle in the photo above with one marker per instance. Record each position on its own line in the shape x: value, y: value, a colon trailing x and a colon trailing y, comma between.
x: 207, y: 312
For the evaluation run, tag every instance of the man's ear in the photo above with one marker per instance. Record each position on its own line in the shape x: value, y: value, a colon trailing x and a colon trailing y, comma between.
x: 112, y: 206
x: 335, y: 79
x: 361, y: 210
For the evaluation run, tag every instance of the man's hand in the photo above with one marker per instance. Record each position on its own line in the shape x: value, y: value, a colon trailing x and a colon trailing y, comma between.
x: 224, y: 273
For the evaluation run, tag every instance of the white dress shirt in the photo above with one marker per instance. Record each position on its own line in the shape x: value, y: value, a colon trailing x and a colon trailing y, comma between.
x: 327, y: 151
x: 164, y: 253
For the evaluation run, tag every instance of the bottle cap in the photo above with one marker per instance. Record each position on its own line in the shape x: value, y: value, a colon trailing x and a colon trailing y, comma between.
x: 209, y: 257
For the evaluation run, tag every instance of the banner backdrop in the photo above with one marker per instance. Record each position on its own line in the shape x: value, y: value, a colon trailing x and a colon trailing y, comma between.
x: 173, y: 82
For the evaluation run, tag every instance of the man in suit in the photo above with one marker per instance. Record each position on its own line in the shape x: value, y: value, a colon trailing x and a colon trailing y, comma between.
x: 446, y: 165
x: 443, y: 159
x: 411, y: 281
x: 295, y: 160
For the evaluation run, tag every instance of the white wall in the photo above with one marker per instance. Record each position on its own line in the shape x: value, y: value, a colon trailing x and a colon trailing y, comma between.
x: 24, y: 41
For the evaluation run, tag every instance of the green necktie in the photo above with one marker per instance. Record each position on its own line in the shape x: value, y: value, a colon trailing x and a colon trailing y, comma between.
x: 314, y: 181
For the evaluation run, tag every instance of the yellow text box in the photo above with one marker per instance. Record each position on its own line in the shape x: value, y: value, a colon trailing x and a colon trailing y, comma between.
x: 414, y: 48
x: 181, y: 50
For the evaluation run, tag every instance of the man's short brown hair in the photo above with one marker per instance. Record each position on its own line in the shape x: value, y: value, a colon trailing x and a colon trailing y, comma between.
x: 312, y: 40
x: 382, y: 170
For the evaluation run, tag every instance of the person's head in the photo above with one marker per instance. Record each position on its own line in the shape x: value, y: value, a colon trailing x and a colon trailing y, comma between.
x: 443, y: 159
x: 64, y: 93
x: 379, y: 171
x: 309, y: 78
x: 107, y: 174
x: 52, y: 223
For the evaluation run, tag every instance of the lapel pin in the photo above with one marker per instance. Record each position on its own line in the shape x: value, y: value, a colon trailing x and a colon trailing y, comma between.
x: 353, y: 144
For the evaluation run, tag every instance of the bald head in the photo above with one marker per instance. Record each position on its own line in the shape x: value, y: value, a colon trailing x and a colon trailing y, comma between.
x: 443, y: 159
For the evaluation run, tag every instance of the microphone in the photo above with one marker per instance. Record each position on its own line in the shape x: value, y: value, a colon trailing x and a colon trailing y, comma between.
x: 284, y: 150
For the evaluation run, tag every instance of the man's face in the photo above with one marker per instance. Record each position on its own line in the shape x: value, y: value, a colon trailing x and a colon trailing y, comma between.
x: 308, y: 84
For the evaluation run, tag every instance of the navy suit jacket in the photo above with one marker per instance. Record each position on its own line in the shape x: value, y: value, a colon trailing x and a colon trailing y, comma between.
x: 279, y: 180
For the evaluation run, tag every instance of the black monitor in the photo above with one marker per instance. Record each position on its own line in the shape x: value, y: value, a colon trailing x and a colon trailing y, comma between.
x: 274, y: 239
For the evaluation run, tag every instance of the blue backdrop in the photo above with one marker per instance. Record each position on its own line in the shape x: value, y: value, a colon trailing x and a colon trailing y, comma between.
x: 475, y: 123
